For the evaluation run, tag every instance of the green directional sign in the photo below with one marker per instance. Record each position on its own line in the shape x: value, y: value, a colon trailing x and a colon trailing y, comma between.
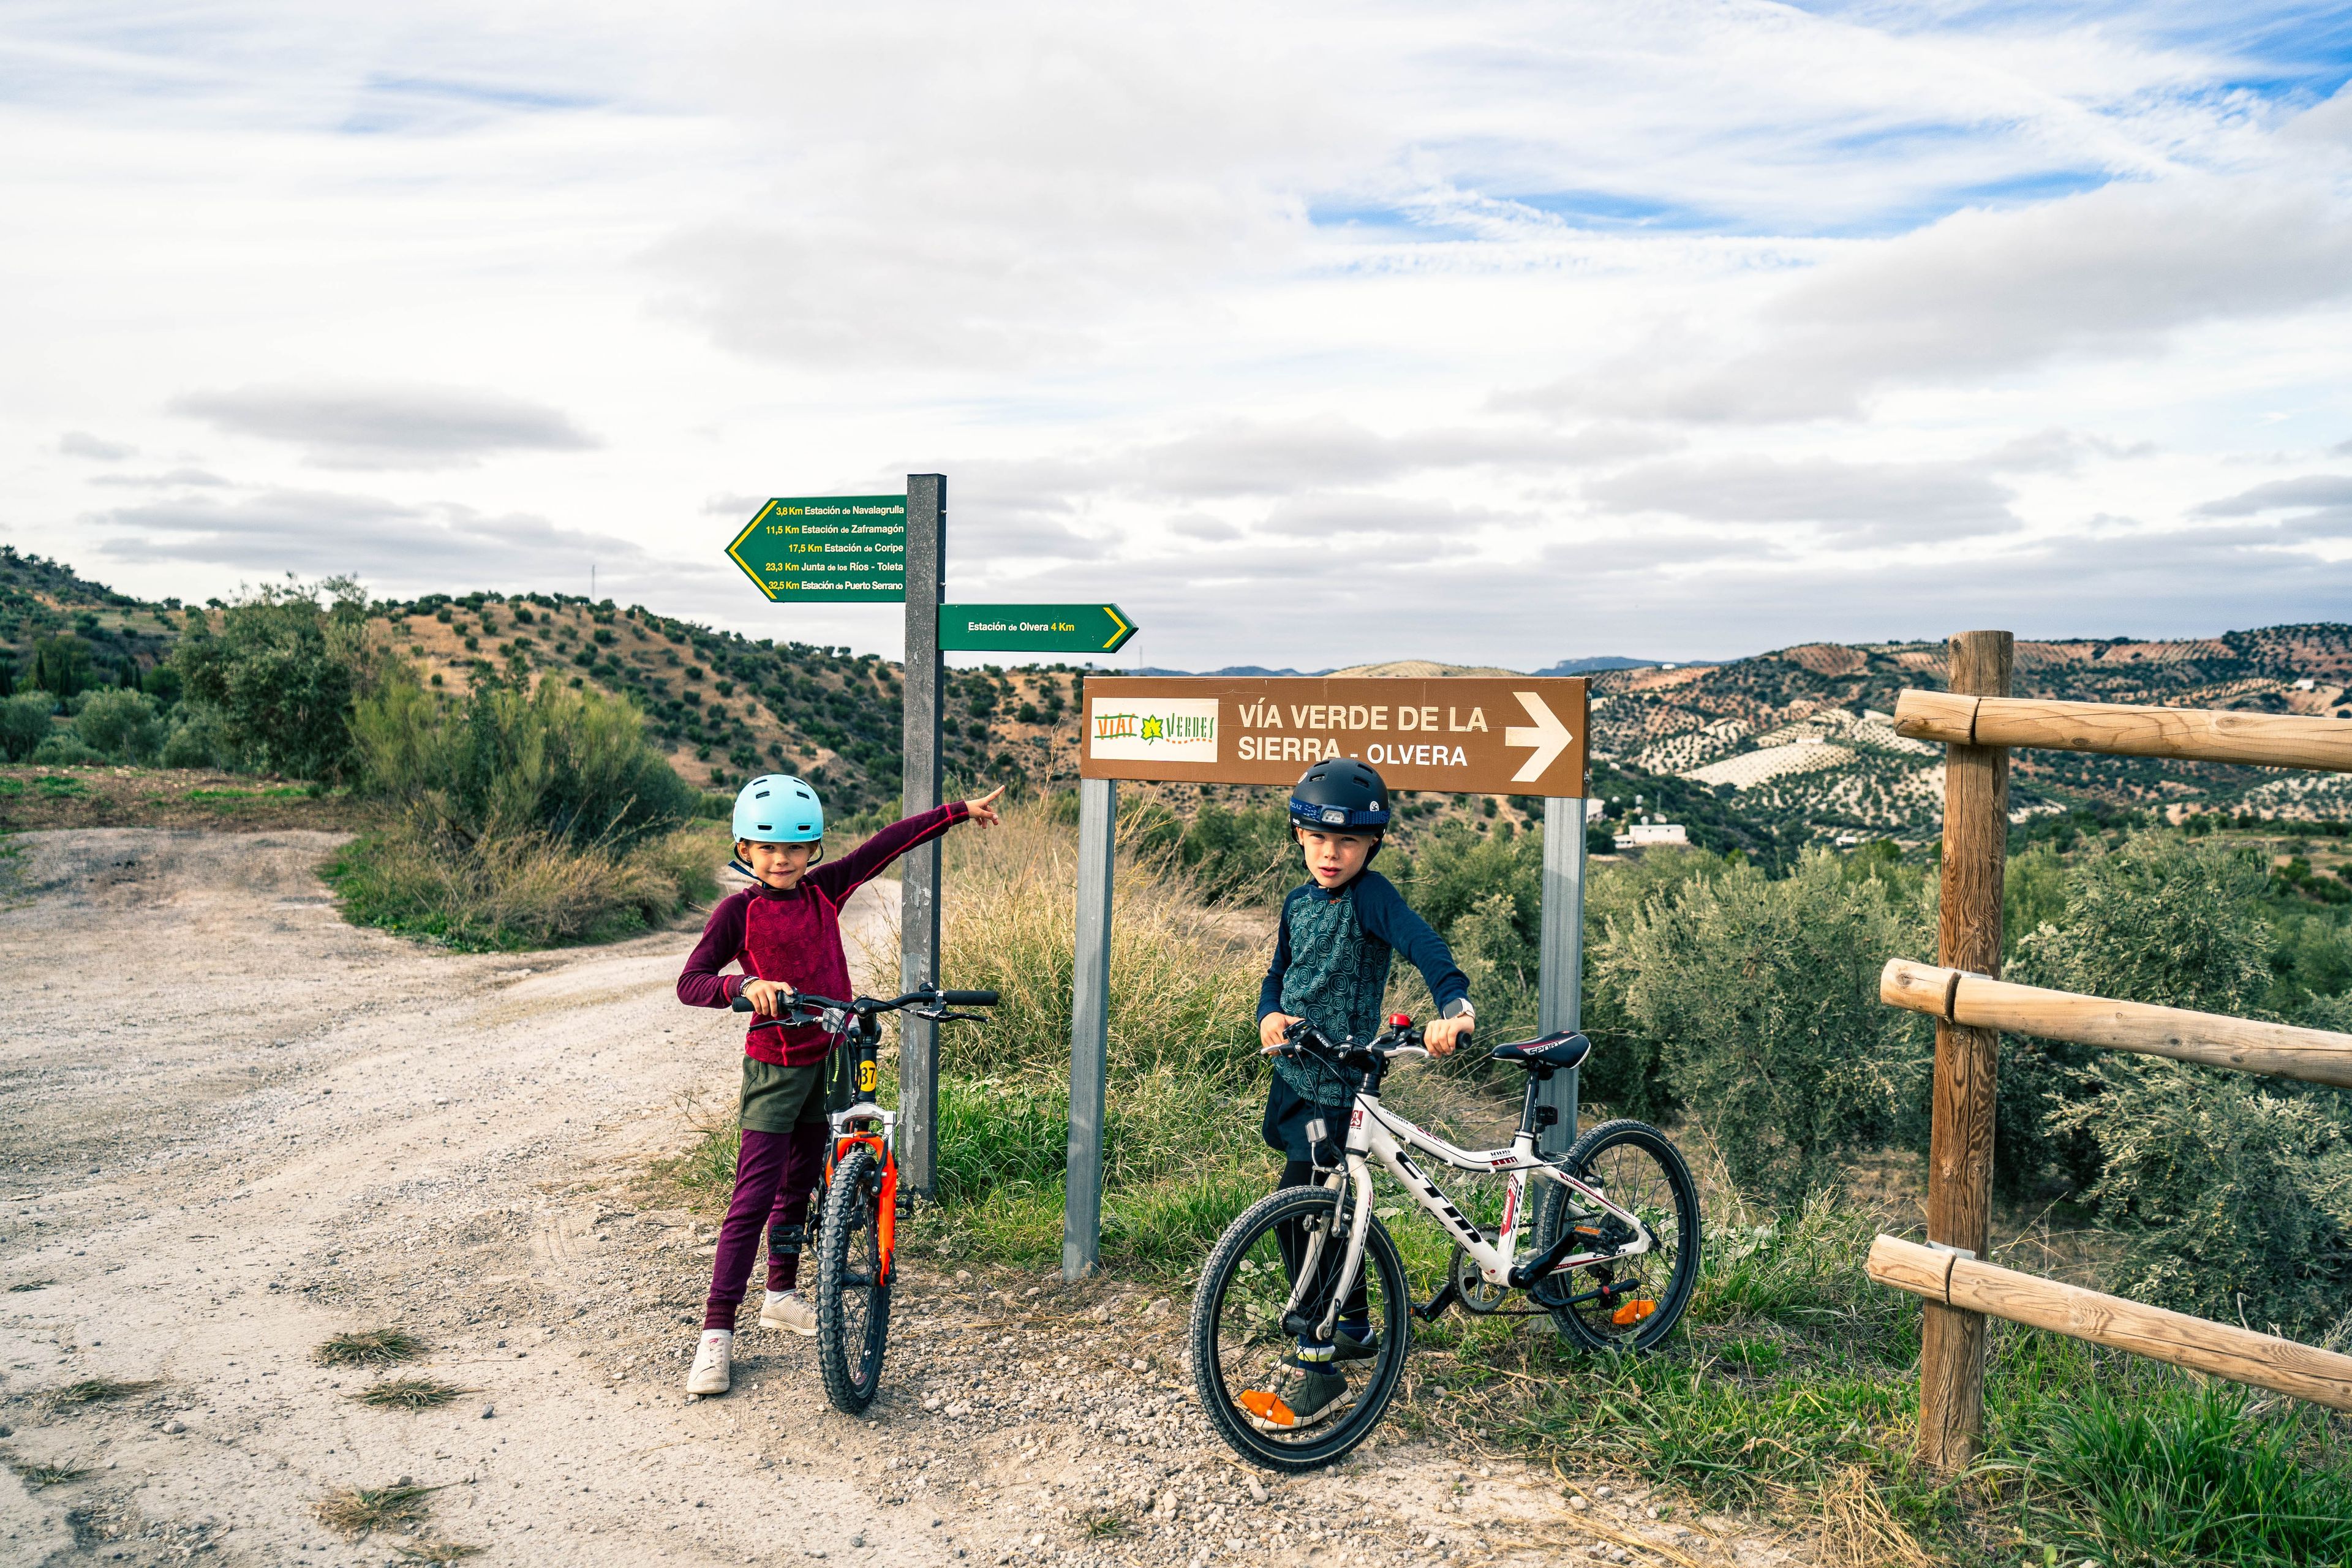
x: 1035, y: 628
x: 827, y: 547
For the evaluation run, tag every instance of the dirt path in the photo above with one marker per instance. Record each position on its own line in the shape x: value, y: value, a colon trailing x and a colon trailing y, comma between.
x: 231, y: 1125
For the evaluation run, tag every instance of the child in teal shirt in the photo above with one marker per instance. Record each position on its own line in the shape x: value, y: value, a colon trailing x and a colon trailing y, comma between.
x: 1338, y: 936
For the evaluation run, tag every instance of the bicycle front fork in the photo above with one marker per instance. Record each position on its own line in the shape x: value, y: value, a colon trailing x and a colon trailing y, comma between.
x: 1359, y: 1177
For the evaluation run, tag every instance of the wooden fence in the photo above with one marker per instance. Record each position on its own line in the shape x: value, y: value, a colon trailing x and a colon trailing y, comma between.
x: 1979, y: 721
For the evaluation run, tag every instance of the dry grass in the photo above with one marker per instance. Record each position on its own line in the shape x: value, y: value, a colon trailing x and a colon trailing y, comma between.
x: 520, y: 889
x: 355, y: 1511
x: 37, y: 1476
x: 32, y: 1284
x: 98, y: 1391
x: 409, y: 1394
x: 1856, y: 1530
x: 370, y: 1347
x: 438, y: 1551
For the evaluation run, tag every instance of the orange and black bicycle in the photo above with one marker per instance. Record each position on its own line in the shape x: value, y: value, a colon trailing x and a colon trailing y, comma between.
x: 857, y: 1202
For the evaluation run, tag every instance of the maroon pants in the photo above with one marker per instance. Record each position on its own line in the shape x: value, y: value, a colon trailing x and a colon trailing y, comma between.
x: 775, y: 1174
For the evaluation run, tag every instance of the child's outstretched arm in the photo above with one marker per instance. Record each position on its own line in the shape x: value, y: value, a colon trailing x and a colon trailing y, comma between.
x: 1382, y: 911
x: 839, y: 878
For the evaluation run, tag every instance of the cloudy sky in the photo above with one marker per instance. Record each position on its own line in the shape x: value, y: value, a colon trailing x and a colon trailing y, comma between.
x: 1480, y: 331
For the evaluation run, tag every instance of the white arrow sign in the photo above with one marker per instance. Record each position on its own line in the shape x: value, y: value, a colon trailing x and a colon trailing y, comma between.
x: 1548, y: 735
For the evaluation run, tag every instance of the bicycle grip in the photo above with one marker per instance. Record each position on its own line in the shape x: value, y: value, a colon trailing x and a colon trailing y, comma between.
x: 968, y: 998
x: 742, y: 1004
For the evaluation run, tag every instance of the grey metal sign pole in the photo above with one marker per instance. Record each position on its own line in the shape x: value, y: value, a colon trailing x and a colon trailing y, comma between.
x: 1089, y: 1029
x: 1559, y: 1002
x: 919, y: 898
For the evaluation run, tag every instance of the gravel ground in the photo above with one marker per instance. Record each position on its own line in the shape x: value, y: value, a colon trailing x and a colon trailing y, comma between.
x: 231, y: 1126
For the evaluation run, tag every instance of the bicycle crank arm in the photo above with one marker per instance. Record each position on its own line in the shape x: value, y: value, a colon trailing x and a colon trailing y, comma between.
x: 1535, y: 1269
x: 1435, y: 1308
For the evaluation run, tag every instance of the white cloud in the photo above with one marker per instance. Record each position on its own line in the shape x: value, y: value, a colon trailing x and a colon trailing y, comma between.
x: 340, y: 426
x: 1985, y: 294
x: 81, y: 444
x: 1227, y: 313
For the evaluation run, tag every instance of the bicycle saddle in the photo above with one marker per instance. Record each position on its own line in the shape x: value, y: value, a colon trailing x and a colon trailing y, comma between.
x: 1565, y: 1049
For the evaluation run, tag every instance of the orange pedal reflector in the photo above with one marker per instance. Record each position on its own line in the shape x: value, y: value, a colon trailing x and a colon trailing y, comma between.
x: 1633, y: 1312
x: 1267, y: 1407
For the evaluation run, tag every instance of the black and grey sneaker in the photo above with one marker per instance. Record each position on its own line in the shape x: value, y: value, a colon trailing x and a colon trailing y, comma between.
x: 1301, y: 1397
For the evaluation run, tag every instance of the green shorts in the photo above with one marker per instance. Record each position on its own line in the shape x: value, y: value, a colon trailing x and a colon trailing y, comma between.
x: 777, y: 1099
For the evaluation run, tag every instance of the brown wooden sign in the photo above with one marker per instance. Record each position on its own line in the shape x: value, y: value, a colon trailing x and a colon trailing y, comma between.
x: 1470, y: 734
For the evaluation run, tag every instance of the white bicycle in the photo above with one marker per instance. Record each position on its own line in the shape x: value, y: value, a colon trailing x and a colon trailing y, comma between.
x: 1303, y: 1302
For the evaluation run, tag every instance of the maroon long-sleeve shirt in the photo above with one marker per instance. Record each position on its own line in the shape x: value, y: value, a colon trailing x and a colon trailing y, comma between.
x: 794, y: 938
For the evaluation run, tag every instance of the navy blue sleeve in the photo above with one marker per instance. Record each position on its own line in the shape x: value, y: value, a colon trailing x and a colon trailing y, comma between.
x: 1382, y: 911
x: 1269, y: 991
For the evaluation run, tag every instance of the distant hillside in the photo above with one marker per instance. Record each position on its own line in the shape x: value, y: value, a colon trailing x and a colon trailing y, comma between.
x: 1804, y: 735
x: 1761, y: 752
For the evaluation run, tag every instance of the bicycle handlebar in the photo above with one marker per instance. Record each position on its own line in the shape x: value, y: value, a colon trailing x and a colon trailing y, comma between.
x: 866, y: 1007
x: 1397, y: 1039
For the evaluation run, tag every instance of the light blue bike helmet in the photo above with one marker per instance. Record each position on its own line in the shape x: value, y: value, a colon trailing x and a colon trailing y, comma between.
x: 776, y: 808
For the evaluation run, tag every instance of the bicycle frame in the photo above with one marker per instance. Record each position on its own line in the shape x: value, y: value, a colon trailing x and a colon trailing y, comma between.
x: 1376, y: 1133
x: 863, y: 1121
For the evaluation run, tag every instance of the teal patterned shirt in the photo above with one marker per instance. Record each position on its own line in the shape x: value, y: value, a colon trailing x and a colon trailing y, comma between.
x: 1331, y: 961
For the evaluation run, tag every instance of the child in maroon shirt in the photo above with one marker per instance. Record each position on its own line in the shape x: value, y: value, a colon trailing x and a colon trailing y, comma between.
x: 784, y: 934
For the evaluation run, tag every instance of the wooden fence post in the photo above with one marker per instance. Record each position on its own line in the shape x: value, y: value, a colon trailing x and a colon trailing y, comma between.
x: 1960, y: 1159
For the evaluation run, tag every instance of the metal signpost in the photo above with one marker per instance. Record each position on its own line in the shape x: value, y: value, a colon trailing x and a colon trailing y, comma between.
x: 1479, y: 735
x: 1035, y: 628
x: 926, y: 570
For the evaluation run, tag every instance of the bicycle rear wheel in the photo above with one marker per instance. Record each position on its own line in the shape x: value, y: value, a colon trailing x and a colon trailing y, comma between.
x: 1627, y: 1303
x: 1242, y: 1351
x: 853, y: 1303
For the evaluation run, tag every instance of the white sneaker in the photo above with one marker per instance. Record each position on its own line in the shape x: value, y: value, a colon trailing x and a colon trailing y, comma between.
x: 787, y: 1311
x: 714, y: 1363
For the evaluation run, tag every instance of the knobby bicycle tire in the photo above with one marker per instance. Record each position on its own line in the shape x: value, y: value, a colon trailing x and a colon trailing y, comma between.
x: 853, y: 1303
x: 1213, y: 1376
x: 1667, y: 1299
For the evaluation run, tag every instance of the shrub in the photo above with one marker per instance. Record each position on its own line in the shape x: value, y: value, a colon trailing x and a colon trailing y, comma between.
x: 197, y: 739
x: 62, y: 749
x: 121, y: 724
x: 507, y: 761
x: 2235, y: 1201
x: 282, y: 671
x: 2162, y: 919
x: 518, y: 890
x: 25, y: 723
x: 1764, y: 998
x: 2234, y: 1192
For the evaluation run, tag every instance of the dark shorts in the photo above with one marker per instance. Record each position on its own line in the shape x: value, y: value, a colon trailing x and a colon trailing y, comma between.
x: 1287, y: 1113
x: 778, y: 1098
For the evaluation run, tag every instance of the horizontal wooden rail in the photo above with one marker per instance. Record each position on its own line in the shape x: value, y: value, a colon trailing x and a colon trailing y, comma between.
x: 2314, y: 1055
x: 2197, y: 734
x: 2239, y: 1354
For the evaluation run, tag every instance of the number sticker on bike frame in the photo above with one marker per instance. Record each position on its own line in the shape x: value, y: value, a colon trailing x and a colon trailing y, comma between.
x: 866, y: 1077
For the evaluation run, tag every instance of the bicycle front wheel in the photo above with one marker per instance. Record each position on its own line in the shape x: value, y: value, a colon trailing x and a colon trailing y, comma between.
x: 1272, y: 1408
x: 853, y: 1303
x: 1633, y: 1302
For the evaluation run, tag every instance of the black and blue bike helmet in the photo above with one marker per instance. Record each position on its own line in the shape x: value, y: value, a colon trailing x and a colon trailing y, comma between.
x: 1340, y: 795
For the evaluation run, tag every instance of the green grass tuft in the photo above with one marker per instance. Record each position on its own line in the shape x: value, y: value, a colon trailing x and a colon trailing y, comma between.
x: 2157, y: 1470
x: 41, y: 1474
x: 100, y: 1390
x: 370, y: 1347
x: 409, y: 1394
x: 355, y: 1511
